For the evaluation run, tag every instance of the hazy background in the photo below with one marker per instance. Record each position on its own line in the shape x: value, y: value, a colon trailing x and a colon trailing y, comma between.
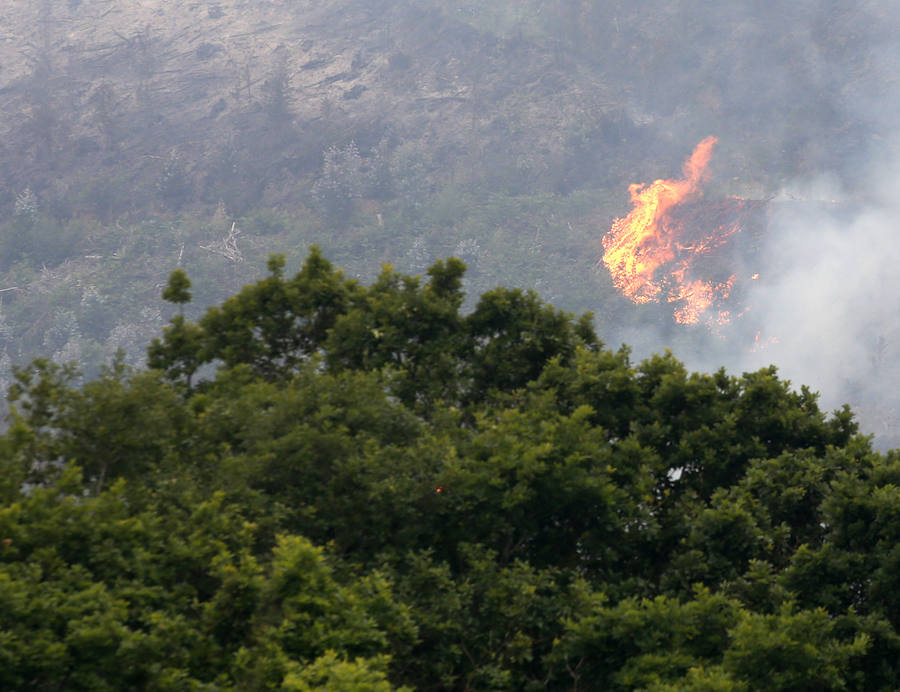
x: 134, y: 136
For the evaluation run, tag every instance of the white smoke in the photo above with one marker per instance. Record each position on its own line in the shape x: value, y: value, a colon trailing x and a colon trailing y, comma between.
x: 827, y: 304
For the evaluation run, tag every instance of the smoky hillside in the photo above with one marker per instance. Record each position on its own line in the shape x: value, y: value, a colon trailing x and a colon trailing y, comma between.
x: 143, y: 136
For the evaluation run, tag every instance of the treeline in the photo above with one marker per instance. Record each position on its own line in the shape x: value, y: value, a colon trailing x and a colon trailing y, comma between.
x: 323, y: 485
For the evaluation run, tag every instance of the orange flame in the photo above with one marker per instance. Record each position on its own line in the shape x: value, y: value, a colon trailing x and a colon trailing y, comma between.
x: 643, y: 253
x: 760, y: 345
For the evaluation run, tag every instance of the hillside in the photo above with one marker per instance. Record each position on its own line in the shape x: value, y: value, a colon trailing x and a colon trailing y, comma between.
x: 108, y: 88
x: 246, y: 96
x: 141, y: 136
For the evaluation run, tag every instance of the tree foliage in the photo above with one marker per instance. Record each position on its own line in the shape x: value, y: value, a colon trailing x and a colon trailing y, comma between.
x: 324, y: 485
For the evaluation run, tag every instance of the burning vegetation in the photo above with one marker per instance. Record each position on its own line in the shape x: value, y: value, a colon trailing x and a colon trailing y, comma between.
x: 669, y: 247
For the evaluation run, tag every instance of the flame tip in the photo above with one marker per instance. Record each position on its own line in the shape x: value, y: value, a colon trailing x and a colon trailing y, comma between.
x: 646, y: 260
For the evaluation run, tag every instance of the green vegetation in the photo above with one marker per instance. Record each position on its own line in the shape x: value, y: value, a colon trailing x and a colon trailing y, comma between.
x: 323, y: 485
x: 413, y: 479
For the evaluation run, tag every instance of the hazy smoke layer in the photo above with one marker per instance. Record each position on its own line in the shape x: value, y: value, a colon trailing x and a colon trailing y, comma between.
x: 826, y: 307
x: 831, y: 299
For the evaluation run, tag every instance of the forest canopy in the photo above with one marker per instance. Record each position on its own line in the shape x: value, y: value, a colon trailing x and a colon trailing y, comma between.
x: 325, y: 485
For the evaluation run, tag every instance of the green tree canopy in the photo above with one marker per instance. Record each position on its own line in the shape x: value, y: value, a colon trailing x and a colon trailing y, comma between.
x: 370, y: 489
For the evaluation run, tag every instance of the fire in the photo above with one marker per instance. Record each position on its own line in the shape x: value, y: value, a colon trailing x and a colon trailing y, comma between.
x: 651, y: 255
x: 697, y: 296
x: 762, y: 344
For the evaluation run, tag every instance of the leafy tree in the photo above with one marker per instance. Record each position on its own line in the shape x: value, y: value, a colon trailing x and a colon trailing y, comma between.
x: 122, y: 424
x: 98, y: 596
x: 416, y: 331
x: 370, y: 489
x: 178, y: 354
x: 274, y: 325
x: 177, y: 291
x: 514, y: 336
